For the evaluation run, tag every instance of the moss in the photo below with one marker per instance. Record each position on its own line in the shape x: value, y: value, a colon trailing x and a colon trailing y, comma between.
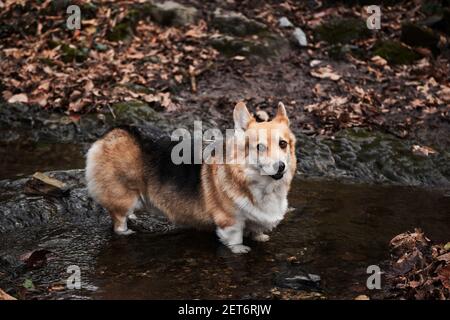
x: 134, y: 111
x: 238, y: 25
x: 395, y: 52
x: 266, y: 46
x: 72, y: 53
x: 342, y: 30
x: 125, y: 28
x: 47, y: 61
x: 419, y: 36
x: 89, y: 10
x: 121, y: 31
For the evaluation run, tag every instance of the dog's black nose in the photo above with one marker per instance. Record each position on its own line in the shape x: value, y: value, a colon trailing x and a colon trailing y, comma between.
x: 281, y: 166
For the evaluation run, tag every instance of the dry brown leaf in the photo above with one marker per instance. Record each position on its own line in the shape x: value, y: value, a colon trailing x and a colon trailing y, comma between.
x: 444, y: 276
x: 423, y: 150
x: 18, y: 98
x: 444, y: 94
x: 325, y: 72
x: 379, y: 61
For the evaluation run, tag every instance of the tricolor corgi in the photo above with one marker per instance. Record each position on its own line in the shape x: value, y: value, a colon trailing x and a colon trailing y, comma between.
x: 124, y: 171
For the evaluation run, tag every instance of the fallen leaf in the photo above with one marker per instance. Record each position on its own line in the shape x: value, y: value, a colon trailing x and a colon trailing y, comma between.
x: 28, y: 284
x: 444, y: 276
x: 5, y: 296
x: 423, y: 150
x: 325, y: 73
x: 444, y: 94
x: 379, y: 61
x: 447, y: 246
x: 21, y: 98
x: 445, y: 257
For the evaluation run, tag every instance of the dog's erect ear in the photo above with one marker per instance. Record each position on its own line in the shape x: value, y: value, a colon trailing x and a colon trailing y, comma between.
x: 281, y: 113
x: 241, y: 116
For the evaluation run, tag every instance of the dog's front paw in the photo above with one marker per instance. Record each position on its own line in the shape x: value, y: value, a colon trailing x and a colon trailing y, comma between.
x: 124, y: 233
x: 239, y: 248
x: 261, y: 237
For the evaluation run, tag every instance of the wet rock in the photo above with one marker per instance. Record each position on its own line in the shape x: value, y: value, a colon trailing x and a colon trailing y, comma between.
x: 265, y: 46
x: 171, y: 13
x: 11, y: 266
x: 342, y: 31
x: 371, y: 156
x: 395, y: 52
x: 285, y: 23
x: 419, y: 36
x: 19, y: 211
x: 235, y: 23
x: 299, y: 37
x: 293, y: 277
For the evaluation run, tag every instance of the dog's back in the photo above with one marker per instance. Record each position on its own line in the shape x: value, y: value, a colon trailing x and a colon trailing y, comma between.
x: 125, y: 168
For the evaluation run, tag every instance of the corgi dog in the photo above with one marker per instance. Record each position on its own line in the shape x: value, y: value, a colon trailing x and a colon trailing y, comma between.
x: 125, y: 171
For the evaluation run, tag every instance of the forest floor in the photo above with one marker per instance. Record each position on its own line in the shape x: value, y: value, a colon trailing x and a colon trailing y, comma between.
x: 203, y: 61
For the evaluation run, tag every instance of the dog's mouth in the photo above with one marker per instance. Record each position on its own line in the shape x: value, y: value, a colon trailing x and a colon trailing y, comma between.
x: 277, y: 176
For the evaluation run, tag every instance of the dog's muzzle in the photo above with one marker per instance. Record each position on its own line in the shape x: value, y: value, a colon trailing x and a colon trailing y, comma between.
x: 280, y: 166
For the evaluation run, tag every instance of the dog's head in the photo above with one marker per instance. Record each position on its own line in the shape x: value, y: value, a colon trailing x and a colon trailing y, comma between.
x: 269, y: 145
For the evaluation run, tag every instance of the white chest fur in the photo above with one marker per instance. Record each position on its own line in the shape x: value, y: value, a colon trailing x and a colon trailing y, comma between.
x: 268, y: 207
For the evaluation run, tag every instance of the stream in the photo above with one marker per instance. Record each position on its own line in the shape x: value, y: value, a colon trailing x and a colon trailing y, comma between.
x: 335, y: 231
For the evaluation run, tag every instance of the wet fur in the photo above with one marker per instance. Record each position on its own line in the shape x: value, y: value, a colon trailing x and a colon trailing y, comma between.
x: 124, y: 170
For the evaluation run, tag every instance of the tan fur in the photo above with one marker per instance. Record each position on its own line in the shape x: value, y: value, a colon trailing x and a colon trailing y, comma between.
x: 115, y: 173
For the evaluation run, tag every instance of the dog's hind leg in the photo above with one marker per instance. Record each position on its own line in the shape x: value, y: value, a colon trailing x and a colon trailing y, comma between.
x: 120, y: 210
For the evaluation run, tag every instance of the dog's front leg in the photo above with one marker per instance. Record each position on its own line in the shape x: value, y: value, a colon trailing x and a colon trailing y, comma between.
x: 232, y: 237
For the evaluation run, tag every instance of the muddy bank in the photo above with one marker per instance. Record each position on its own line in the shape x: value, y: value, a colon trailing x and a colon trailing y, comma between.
x: 322, y: 249
x: 356, y: 154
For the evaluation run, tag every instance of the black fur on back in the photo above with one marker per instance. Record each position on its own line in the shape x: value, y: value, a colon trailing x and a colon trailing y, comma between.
x: 157, y: 149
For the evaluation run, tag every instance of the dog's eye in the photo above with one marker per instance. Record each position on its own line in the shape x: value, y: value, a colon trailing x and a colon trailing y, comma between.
x: 283, y: 144
x: 261, y: 147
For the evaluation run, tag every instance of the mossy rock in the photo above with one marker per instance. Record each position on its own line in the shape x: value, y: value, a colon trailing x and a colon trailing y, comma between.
x: 419, y: 36
x: 71, y: 53
x: 395, y: 52
x: 267, y: 46
x: 134, y: 112
x: 342, y: 30
x: 235, y: 23
x: 171, y: 13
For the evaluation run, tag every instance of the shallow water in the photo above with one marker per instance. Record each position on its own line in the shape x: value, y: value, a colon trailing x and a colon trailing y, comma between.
x: 336, y: 231
x: 25, y: 157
